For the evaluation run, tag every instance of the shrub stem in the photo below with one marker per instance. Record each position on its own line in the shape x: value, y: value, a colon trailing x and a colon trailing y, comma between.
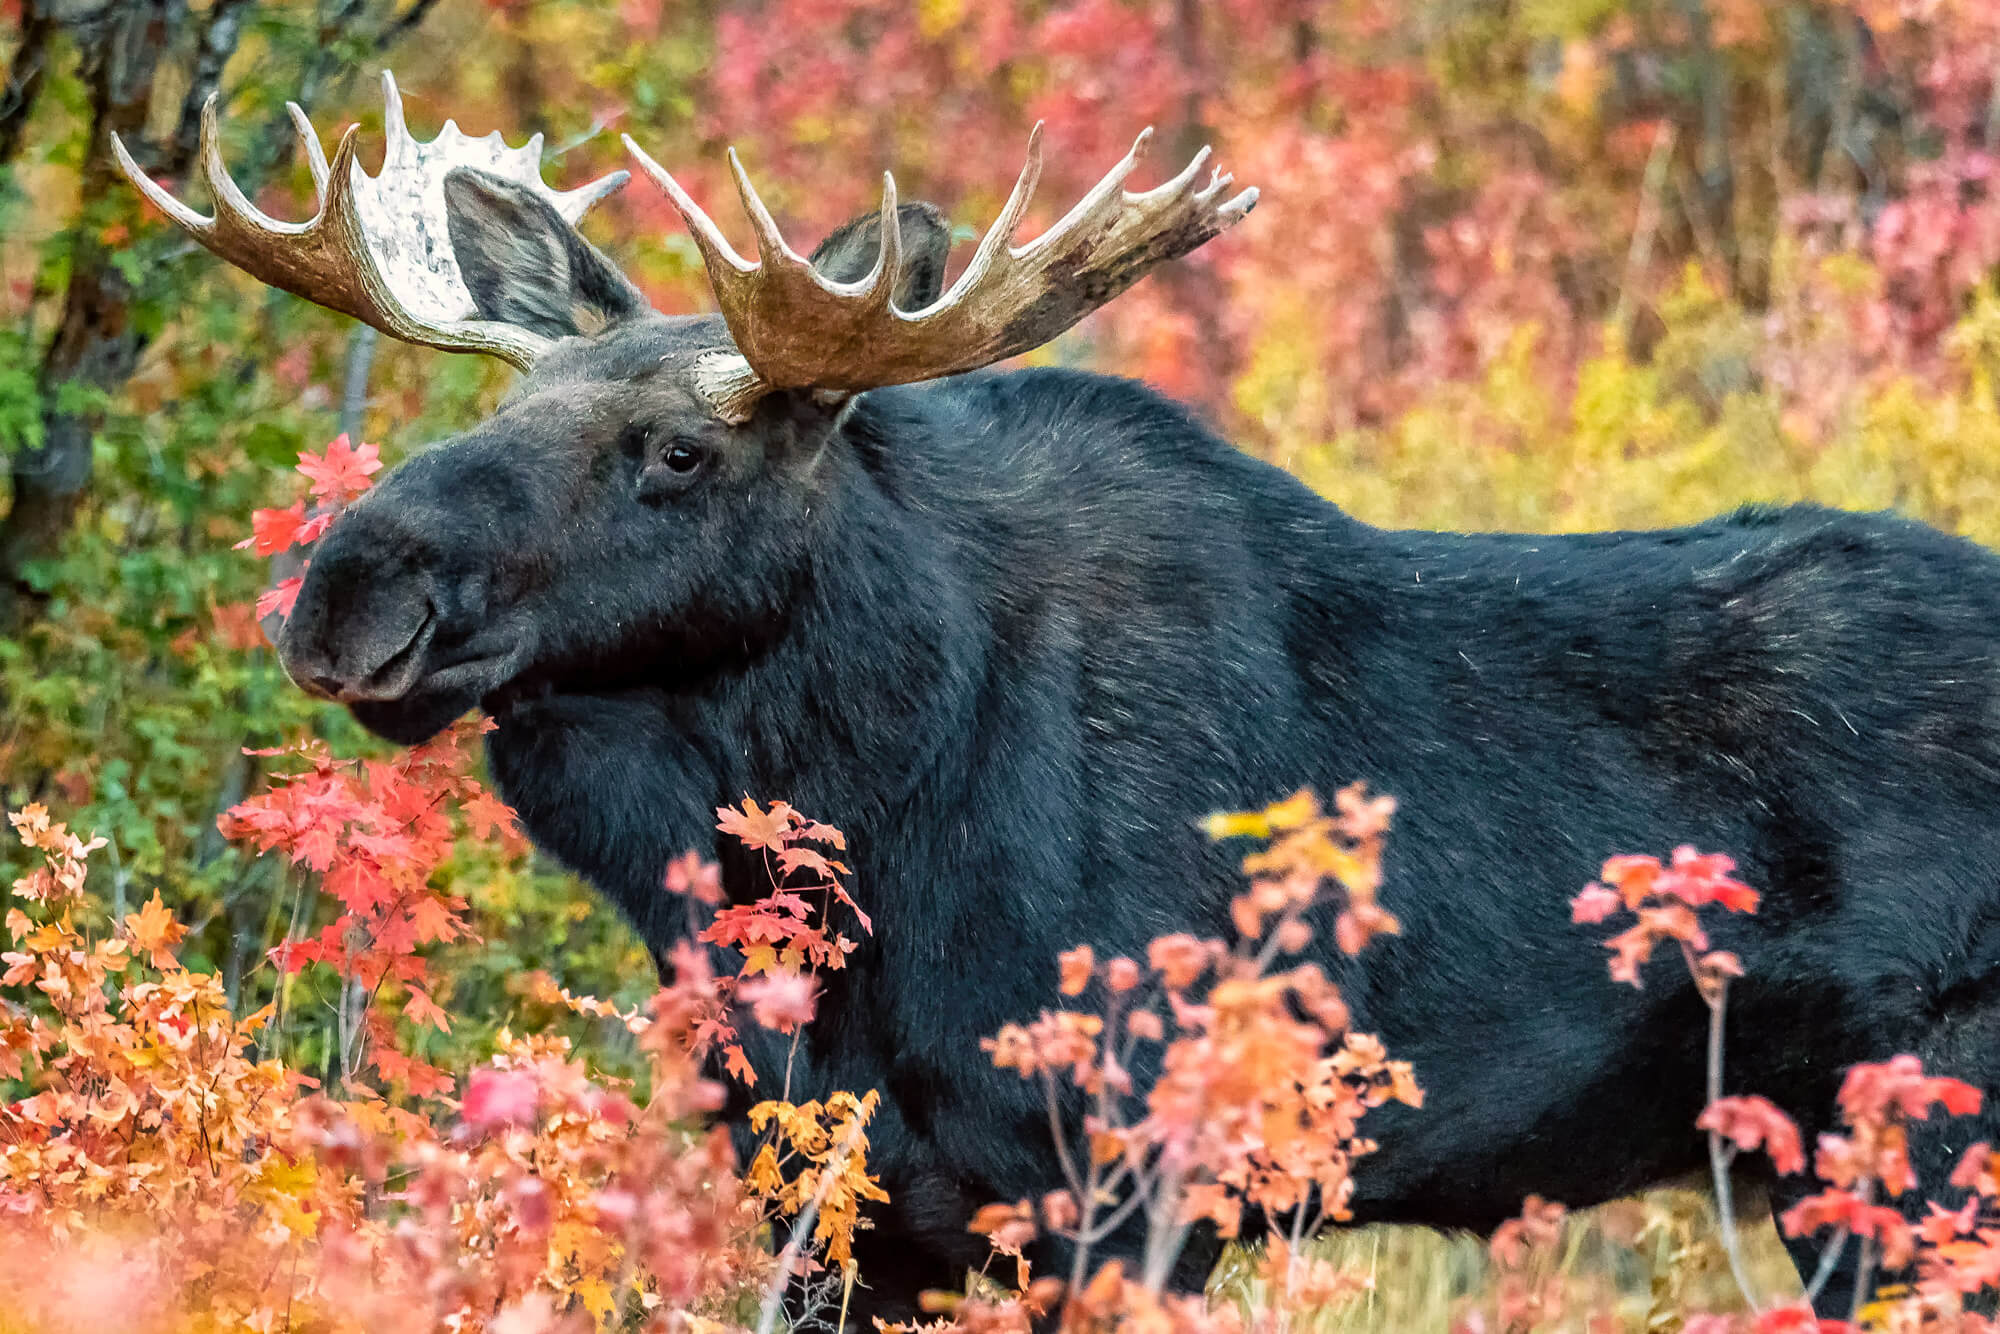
x: 1720, y: 1156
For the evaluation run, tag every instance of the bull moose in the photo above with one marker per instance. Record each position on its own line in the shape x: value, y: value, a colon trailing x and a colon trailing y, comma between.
x: 1016, y: 631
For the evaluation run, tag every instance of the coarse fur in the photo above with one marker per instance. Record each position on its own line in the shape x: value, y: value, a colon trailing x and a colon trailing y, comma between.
x: 1016, y: 633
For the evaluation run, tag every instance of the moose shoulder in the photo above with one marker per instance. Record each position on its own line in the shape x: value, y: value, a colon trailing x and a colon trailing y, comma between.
x: 1017, y: 632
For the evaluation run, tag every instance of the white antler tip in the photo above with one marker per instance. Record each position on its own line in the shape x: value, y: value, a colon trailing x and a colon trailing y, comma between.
x: 1240, y: 205
x: 393, y: 125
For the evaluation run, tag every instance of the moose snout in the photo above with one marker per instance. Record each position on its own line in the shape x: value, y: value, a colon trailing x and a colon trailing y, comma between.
x: 376, y: 650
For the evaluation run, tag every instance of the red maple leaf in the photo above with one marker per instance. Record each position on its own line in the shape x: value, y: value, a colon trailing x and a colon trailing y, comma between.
x: 421, y: 1078
x: 421, y: 1009
x: 500, y: 1098
x: 280, y: 597
x: 272, y: 531
x: 1753, y: 1122
x: 488, y: 815
x: 342, y: 471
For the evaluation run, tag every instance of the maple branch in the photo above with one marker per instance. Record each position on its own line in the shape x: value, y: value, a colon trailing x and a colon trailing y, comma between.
x: 1864, y: 1281
x: 1645, y: 229
x: 1829, y: 1257
x: 1069, y: 1171
x: 774, y: 1292
x: 1719, y: 1156
x: 354, y: 379
x: 1110, y: 1222
x: 405, y: 21
x: 1166, y: 1234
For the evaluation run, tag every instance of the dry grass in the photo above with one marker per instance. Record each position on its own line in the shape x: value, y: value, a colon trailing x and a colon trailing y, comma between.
x: 1650, y: 1260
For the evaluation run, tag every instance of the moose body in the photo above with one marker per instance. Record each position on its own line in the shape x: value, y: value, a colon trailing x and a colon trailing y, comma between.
x: 1016, y: 633
x: 1042, y: 622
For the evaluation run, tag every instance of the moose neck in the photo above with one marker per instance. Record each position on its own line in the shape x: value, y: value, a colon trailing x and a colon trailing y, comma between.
x: 873, y: 669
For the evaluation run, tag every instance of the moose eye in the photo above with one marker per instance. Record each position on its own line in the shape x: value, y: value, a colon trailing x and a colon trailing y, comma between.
x: 674, y: 467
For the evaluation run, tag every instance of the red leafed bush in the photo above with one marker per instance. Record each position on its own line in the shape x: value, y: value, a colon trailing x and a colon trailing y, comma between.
x: 162, y: 1167
x: 1867, y: 1171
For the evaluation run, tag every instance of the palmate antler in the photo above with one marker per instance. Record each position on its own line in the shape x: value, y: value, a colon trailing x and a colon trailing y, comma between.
x: 795, y: 328
x: 379, y: 247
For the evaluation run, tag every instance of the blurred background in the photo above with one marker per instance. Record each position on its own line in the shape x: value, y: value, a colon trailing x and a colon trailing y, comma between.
x: 1518, y: 263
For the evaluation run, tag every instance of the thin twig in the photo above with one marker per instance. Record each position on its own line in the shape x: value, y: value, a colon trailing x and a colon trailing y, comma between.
x: 1645, y: 228
x: 405, y: 21
x: 1070, y: 1174
x: 1829, y: 1260
x: 354, y: 383
x: 1864, y: 1281
x: 1719, y: 1155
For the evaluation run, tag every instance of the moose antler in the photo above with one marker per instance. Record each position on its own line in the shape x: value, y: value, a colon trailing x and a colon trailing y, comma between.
x: 378, y: 248
x: 795, y: 328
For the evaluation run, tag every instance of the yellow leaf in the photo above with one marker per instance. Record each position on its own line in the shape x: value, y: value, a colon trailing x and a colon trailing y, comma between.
x: 1236, y: 824
x: 595, y: 1294
x: 288, y: 1178
x: 763, y: 1176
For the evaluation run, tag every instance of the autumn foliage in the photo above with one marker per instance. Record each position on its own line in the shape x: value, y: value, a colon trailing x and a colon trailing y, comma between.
x: 162, y: 1166
x: 1564, y: 264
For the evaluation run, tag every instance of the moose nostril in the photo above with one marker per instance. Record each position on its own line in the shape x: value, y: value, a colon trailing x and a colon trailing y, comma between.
x: 327, y: 685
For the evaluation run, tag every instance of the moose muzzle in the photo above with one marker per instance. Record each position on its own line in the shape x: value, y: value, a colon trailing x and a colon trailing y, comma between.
x: 376, y: 651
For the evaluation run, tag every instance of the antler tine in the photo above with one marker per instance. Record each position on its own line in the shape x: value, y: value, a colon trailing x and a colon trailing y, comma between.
x: 1000, y: 236
x: 716, y: 252
x: 160, y: 198
x: 795, y: 329
x: 315, y: 155
x: 395, y: 130
x: 1179, y: 185
x: 772, y: 250
x: 879, y: 284
x: 1098, y: 206
x: 1238, y: 208
x: 377, y: 248
x: 585, y: 197
x: 233, y: 209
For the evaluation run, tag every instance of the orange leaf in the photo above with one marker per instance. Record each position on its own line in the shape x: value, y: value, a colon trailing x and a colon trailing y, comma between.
x: 155, y: 932
x: 755, y: 827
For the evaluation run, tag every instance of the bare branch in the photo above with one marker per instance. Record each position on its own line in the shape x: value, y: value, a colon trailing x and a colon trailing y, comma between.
x: 403, y: 23
x: 213, y: 49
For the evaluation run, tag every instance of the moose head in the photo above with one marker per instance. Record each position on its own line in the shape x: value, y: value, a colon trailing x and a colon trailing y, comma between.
x: 648, y: 492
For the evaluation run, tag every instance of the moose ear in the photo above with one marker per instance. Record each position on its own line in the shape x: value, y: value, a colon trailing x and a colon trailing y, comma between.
x: 851, y: 251
x: 524, y: 265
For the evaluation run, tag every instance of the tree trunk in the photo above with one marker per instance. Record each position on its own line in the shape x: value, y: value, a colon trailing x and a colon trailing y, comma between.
x: 24, y: 76
x: 94, y: 347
